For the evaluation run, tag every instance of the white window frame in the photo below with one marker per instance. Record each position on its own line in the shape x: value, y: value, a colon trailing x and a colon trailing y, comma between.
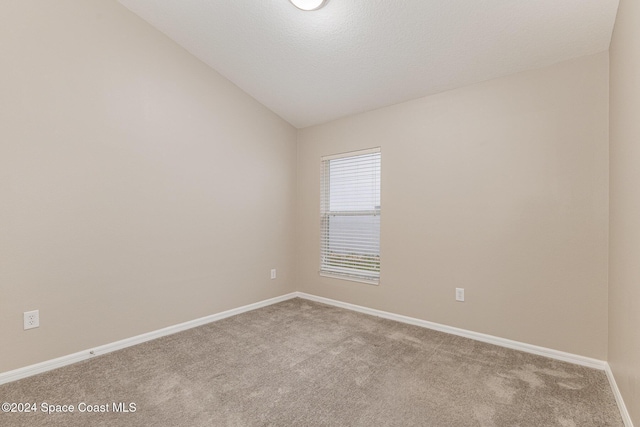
x: 329, y: 265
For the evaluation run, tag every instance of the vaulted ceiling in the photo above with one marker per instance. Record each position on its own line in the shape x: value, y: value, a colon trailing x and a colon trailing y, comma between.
x: 358, y: 55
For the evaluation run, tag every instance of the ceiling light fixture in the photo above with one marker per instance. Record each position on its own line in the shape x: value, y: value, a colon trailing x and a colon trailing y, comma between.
x: 308, y: 4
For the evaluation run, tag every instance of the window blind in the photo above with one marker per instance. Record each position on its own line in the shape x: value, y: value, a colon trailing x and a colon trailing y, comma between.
x: 350, y: 215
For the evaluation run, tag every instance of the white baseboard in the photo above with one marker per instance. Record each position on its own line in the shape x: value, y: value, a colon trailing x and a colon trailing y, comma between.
x: 626, y: 417
x: 27, y: 371
x: 516, y: 345
x: 503, y: 342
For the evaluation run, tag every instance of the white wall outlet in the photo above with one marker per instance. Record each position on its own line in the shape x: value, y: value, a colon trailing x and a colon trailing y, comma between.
x: 31, y: 319
x: 459, y: 294
x: 273, y: 273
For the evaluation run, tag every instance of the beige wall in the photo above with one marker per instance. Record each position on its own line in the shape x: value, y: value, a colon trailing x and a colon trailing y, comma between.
x: 138, y: 188
x: 624, y: 256
x: 500, y: 188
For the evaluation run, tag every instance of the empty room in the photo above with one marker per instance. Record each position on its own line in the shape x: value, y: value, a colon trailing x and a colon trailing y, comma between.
x: 320, y: 213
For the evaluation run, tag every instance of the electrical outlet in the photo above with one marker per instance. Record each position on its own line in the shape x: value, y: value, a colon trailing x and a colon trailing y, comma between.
x: 273, y: 273
x: 31, y: 319
x: 460, y: 294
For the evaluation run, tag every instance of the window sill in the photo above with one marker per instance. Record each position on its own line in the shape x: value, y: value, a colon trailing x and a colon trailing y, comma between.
x: 374, y: 282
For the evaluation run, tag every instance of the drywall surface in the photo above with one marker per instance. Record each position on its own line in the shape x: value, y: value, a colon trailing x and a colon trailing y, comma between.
x: 624, y: 256
x: 138, y: 188
x: 500, y: 188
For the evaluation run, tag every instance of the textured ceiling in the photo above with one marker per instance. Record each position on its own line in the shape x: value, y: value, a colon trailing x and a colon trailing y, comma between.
x: 357, y: 55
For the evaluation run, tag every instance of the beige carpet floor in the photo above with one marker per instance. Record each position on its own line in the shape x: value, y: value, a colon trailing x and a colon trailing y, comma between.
x: 300, y: 363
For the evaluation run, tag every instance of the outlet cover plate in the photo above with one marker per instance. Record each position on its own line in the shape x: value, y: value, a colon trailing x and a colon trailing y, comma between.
x: 31, y: 319
x: 460, y: 294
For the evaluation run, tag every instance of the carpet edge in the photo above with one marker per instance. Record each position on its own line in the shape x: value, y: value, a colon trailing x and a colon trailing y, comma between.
x: 490, y: 339
x: 51, y: 364
x: 626, y: 417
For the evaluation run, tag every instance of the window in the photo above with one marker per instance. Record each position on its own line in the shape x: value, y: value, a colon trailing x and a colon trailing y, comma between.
x: 350, y: 216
